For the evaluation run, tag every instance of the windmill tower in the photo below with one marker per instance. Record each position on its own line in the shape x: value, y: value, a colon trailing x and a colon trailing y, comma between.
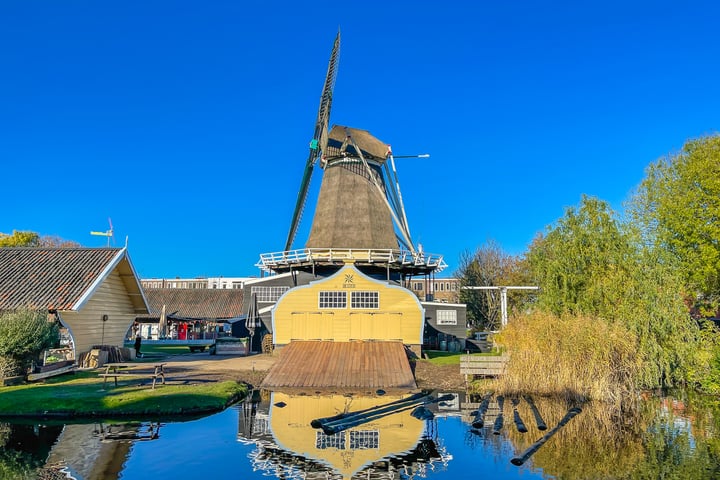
x: 360, y: 216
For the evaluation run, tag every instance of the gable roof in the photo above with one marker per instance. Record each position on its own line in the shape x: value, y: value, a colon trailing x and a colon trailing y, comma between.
x: 60, y: 278
x: 196, y: 303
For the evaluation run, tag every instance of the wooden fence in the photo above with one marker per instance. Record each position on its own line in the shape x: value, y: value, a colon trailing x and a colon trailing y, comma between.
x: 485, y: 365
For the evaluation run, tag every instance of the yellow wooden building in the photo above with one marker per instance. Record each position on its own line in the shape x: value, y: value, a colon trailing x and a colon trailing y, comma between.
x: 346, y: 452
x: 347, y: 306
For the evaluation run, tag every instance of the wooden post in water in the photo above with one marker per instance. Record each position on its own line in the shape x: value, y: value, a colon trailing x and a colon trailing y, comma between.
x: 519, y: 460
x: 516, y: 416
x: 479, y: 420
x: 499, y: 419
x: 538, y: 418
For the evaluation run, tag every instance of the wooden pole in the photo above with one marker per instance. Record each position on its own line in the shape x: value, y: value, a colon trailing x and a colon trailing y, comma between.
x: 499, y: 420
x: 411, y: 400
x: 519, y: 460
x: 519, y: 424
x: 538, y: 418
x: 355, y: 420
x: 479, y: 420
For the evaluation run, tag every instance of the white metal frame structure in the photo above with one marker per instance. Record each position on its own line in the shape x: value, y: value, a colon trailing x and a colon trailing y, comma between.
x: 503, y: 298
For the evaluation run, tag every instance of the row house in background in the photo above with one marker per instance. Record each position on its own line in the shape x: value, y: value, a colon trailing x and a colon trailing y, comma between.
x: 198, y: 282
x: 442, y: 290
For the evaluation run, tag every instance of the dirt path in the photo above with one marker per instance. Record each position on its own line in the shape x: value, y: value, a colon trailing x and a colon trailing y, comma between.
x: 203, y: 367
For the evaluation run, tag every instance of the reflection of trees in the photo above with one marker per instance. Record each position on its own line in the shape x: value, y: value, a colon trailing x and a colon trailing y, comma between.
x: 662, y: 439
x: 23, y: 449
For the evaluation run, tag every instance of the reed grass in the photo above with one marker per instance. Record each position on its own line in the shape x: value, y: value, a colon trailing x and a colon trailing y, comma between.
x: 570, y: 357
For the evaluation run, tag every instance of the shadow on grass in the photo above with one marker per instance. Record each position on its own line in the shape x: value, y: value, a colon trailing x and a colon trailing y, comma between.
x: 84, y: 395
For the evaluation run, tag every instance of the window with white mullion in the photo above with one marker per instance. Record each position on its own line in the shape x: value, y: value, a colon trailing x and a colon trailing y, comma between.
x: 332, y: 299
x: 365, y: 300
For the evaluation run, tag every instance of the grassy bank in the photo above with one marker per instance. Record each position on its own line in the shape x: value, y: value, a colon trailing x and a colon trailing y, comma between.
x: 84, y: 395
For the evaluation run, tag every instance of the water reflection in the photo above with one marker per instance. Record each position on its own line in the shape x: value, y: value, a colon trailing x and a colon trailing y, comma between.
x: 287, y: 446
x: 270, y: 435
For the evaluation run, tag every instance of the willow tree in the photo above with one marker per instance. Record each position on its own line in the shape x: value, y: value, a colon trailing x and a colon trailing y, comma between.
x: 591, y: 264
x: 677, y: 207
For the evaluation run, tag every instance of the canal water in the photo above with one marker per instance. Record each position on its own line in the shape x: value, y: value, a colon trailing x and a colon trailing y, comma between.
x: 270, y: 436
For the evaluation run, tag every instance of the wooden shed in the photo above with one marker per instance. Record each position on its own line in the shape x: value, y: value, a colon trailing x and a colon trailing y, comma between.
x: 346, y: 306
x: 94, y: 292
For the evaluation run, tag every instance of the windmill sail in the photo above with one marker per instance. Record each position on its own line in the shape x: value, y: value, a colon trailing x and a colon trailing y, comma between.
x: 318, y: 141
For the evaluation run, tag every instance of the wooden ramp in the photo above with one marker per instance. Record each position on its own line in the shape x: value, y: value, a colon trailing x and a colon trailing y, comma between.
x: 341, y: 365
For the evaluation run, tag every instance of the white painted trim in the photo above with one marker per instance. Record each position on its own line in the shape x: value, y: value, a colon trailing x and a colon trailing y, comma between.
x: 70, y: 332
x: 137, y: 281
x: 445, y: 304
x: 266, y: 309
x: 99, y: 279
x: 265, y: 279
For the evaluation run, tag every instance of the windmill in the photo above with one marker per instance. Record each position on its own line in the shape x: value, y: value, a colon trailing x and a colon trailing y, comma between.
x: 108, y: 233
x: 359, y: 205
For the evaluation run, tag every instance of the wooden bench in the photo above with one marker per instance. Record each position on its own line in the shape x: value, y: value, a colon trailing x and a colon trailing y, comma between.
x: 127, y: 370
x: 485, y: 365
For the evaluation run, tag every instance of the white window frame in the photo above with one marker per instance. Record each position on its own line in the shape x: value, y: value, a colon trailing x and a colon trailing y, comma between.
x: 446, y: 317
x: 365, y: 299
x: 332, y: 299
x: 268, y: 293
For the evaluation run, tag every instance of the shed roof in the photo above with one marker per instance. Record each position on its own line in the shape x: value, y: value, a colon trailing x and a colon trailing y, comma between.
x: 196, y: 303
x: 61, y: 278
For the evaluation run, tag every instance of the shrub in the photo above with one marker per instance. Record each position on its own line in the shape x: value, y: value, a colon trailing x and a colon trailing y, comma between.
x: 24, y: 334
x: 570, y: 356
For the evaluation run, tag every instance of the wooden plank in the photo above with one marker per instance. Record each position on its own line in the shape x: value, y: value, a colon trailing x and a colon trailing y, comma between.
x: 51, y: 373
x: 356, y: 364
x: 483, y: 365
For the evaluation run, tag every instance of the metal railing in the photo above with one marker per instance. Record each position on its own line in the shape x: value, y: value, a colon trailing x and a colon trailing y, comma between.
x: 392, y: 257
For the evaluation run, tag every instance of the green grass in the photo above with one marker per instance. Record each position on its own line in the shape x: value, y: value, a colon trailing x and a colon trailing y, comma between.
x: 161, y: 349
x: 84, y: 395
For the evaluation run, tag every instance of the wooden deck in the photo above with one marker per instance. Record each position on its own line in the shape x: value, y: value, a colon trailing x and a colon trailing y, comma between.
x: 341, y: 365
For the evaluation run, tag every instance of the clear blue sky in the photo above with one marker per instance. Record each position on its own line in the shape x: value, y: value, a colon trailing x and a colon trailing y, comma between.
x: 187, y: 122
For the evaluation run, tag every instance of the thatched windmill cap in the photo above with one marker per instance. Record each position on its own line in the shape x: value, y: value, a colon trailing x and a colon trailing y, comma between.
x: 340, y: 145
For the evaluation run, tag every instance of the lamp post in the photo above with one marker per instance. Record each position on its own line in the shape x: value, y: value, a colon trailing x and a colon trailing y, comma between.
x: 104, y: 319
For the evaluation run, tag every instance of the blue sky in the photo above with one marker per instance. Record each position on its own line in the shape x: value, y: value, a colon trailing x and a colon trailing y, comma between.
x: 188, y: 122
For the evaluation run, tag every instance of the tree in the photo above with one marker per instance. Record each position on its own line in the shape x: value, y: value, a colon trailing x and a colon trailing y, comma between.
x: 24, y: 334
x: 677, y: 207
x: 578, y: 262
x: 590, y: 264
x: 32, y: 239
x: 19, y: 239
x: 489, y: 266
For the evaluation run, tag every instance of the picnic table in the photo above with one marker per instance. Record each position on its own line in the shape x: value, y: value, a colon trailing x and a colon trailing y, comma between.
x: 121, y: 370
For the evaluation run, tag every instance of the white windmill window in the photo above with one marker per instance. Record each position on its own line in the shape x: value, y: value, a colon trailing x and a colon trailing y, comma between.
x: 332, y: 299
x: 365, y: 300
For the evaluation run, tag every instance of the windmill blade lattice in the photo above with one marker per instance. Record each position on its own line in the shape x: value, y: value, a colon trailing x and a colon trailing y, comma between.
x: 319, y: 140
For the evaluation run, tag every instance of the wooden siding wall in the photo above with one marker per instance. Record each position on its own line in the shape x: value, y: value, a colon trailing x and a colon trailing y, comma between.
x: 86, y: 325
x: 297, y: 315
